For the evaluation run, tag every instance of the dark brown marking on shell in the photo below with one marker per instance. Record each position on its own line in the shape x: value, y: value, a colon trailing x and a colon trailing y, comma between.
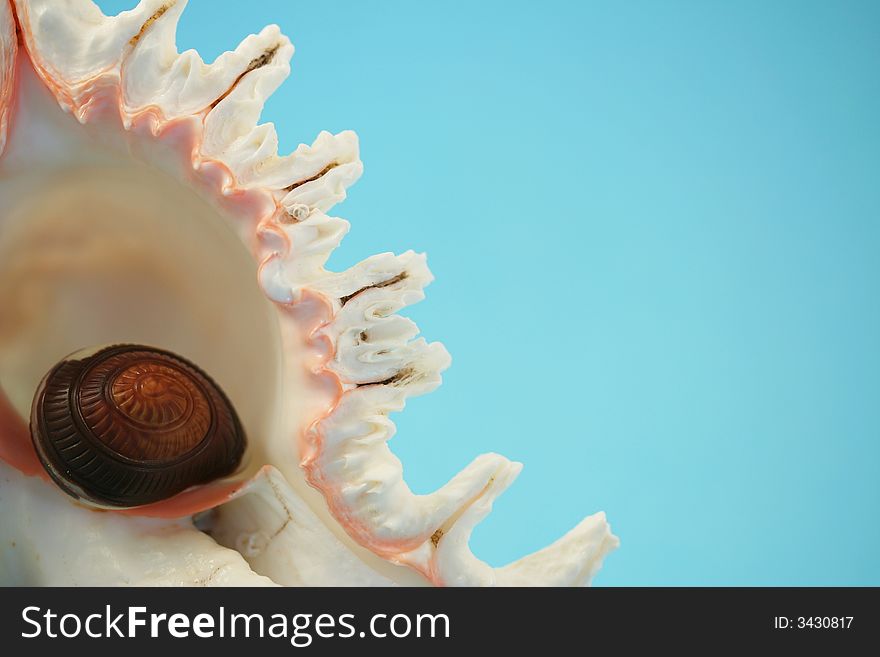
x: 300, y: 183
x: 131, y: 425
x: 400, y: 377
x: 391, y: 281
x: 257, y: 62
x: 152, y: 19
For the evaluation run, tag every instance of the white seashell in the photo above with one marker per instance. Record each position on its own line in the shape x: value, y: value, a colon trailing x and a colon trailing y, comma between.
x: 80, y: 547
x: 171, y: 220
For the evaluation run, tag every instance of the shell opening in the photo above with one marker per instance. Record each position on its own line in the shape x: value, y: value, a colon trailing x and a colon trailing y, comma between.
x: 111, y: 254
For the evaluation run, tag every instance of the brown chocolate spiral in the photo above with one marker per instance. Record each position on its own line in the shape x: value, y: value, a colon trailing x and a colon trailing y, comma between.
x: 129, y: 425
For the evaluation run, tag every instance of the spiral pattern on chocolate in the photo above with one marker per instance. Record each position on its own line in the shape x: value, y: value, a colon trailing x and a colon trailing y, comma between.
x: 130, y: 425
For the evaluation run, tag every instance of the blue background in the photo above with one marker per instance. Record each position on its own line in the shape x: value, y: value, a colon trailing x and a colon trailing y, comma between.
x: 655, y: 231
